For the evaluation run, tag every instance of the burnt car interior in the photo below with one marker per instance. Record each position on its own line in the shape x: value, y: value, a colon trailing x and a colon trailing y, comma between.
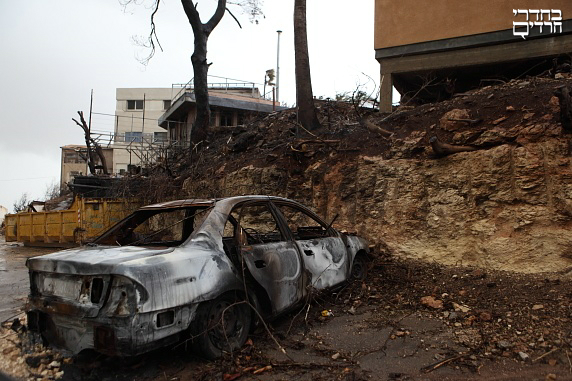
x: 156, y: 227
x: 258, y: 225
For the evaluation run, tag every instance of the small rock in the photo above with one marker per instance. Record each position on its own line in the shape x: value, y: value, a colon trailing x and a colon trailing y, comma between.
x: 523, y: 356
x: 430, y: 301
x: 503, y: 344
x: 500, y: 120
x: 528, y: 116
x: 485, y: 316
x: 510, y: 108
x: 54, y: 364
x: 453, y: 316
x: 537, y: 307
x: 559, y: 76
x: 336, y: 356
x: 554, y: 104
x: 461, y: 308
x: 59, y: 374
x: 352, y: 310
x: 550, y: 377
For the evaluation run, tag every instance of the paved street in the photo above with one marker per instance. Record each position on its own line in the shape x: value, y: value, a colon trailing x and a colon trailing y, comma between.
x: 14, y: 276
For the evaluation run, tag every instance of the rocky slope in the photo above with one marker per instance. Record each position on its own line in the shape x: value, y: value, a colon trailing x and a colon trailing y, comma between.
x: 506, y: 204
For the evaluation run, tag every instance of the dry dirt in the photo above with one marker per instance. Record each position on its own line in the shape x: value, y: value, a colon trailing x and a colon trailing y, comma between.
x: 483, y: 325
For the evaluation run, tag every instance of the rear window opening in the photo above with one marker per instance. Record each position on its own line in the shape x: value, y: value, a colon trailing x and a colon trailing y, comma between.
x: 163, y: 227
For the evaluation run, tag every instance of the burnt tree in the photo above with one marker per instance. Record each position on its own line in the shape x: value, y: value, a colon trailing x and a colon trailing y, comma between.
x: 201, y: 33
x: 307, y: 115
x: 200, y: 65
x: 93, y: 148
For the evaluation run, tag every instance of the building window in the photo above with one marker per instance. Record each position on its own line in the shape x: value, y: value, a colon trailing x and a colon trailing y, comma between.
x: 73, y: 157
x: 159, y: 137
x: 166, y: 104
x: 133, y: 137
x: 133, y: 104
x: 226, y: 118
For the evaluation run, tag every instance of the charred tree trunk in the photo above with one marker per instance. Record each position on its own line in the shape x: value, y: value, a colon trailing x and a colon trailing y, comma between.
x: 90, y: 159
x: 563, y: 94
x: 304, y: 98
x: 201, y: 34
x: 92, y: 146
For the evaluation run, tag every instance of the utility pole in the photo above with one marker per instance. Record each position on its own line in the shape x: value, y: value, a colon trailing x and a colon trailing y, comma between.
x: 278, y: 68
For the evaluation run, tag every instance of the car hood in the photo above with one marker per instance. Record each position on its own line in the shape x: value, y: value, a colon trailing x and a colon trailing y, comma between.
x: 92, y: 260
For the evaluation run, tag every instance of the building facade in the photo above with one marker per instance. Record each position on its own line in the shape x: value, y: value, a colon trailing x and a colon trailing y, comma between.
x: 137, y: 134
x: 74, y: 163
x: 230, y: 105
x: 451, y: 46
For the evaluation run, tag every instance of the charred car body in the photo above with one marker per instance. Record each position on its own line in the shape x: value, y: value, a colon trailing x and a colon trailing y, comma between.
x: 188, y: 268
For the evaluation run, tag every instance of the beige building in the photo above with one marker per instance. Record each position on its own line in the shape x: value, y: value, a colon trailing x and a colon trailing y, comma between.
x: 432, y: 49
x: 230, y: 106
x: 73, y: 162
x: 151, y: 121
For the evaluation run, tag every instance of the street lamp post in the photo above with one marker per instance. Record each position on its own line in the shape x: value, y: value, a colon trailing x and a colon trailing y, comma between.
x: 278, y: 69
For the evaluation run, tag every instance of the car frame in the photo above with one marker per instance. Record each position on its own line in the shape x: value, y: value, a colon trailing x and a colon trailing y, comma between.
x: 208, y: 279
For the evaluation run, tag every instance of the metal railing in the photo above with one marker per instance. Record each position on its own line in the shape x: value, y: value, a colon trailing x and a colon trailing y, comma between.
x: 226, y: 85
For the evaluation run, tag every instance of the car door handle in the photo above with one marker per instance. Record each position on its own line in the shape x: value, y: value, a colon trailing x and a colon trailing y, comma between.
x: 308, y: 252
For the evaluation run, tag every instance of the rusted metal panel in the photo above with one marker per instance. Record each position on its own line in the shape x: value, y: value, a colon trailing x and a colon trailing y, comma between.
x: 85, y: 220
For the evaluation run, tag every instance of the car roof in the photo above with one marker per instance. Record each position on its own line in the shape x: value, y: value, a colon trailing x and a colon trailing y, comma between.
x: 210, y: 202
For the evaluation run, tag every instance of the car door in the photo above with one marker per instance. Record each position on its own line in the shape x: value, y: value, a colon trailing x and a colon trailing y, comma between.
x: 322, y: 249
x: 272, y: 259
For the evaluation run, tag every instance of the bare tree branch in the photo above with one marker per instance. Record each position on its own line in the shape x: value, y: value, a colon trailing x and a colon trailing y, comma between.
x: 235, y: 19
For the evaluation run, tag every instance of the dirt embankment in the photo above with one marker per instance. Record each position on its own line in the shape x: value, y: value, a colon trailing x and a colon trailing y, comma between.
x: 505, y: 204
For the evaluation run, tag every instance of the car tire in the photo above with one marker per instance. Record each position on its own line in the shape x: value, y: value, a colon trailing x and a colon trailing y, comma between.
x: 213, y: 335
x: 359, y: 267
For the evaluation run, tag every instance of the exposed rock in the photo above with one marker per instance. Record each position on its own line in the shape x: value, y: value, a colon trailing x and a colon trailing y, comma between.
x: 450, y: 120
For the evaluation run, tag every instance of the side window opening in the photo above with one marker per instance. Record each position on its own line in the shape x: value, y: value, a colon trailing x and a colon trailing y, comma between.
x: 303, y: 225
x: 259, y: 225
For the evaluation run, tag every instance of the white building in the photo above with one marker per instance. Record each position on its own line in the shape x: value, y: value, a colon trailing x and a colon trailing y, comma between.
x: 3, y: 212
x: 136, y: 129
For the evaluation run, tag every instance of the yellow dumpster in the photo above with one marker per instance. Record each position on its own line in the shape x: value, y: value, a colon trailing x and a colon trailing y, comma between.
x: 86, y: 219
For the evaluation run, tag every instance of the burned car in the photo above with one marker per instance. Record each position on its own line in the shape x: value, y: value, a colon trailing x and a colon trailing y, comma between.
x: 203, y: 270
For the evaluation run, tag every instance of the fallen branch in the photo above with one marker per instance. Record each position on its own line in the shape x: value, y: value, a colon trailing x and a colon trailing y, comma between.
x: 443, y: 149
x: 546, y: 354
x: 437, y: 365
x: 373, y: 128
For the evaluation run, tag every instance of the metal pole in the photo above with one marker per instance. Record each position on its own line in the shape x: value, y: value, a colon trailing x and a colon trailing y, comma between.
x: 89, y: 129
x: 278, y: 68
x: 143, y: 128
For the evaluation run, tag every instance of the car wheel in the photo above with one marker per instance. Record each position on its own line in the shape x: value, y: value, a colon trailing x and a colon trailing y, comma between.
x: 221, y: 325
x: 359, y: 267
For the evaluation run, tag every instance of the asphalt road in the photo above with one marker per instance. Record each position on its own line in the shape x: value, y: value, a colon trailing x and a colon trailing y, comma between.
x: 14, y: 282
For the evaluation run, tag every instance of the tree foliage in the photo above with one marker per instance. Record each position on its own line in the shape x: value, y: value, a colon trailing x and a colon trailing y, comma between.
x: 21, y: 205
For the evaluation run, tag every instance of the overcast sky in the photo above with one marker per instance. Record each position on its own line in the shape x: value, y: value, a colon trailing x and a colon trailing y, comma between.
x: 55, y: 52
